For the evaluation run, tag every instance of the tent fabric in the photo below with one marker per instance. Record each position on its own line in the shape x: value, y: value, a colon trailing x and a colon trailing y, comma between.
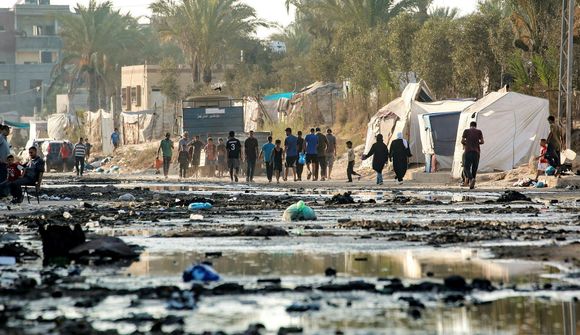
x: 17, y: 125
x: 444, y: 132
x: 316, y: 103
x: 99, y: 126
x: 258, y: 112
x: 57, y: 125
x: 512, y: 126
x: 278, y: 96
x: 140, y: 127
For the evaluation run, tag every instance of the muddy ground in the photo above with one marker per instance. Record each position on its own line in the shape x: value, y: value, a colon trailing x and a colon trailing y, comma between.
x: 410, y: 259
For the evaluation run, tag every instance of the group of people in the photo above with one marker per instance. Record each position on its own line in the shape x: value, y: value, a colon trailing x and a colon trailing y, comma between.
x: 14, y: 175
x: 398, y: 154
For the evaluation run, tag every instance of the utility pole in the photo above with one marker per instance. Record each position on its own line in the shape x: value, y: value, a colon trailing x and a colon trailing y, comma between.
x: 566, y: 67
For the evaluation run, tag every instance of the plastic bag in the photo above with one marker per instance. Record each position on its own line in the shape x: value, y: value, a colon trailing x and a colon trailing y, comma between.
x: 158, y: 163
x: 200, y: 272
x: 199, y: 206
x: 550, y: 171
x: 302, y: 159
x: 299, y: 212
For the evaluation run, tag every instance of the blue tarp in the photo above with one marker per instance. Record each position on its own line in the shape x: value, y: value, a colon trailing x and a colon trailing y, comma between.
x: 278, y: 96
x: 18, y: 125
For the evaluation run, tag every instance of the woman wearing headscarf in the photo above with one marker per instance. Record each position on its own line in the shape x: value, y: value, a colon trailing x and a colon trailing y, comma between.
x: 399, y: 155
x: 380, y: 154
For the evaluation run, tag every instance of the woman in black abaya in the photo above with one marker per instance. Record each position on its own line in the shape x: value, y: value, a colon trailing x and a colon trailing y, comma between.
x: 399, y: 155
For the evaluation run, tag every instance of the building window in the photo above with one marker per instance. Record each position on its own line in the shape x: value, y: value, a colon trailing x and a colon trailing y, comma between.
x: 133, y: 95
x: 46, y: 57
x: 36, y: 30
x: 49, y: 31
x: 4, y: 86
x: 35, y: 83
x: 138, y: 102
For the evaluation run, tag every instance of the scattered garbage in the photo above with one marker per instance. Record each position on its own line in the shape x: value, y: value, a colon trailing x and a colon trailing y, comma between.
x: 127, y: 197
x: 330, y: 272
x: 199, y: 206
x: 112, y: 247
x: 341, y: 199
x: 183, y: 300
x: 195, y: 217
x: 299, y: 212
x: 115, y: 168
x: 300, y: 308
x: 550, y: 171
x: 58, y: 240
x: 7, y: 260
x: 67, y: 215
x: 509, y: 196
x: 540, y: 184
x: 200, y: 272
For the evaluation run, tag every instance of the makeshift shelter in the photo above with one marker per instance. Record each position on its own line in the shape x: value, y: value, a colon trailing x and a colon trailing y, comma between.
x: 512, y: 126
x: 400, y: 115
x: 57, y: 125
x: 438, y: 123
x: 316, y: 103
x: 141, y: 127
x: 259, y: 111
x: 99, y: 126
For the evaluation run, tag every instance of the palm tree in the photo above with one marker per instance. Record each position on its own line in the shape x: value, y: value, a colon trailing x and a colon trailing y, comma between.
x: 97, y: 40
x: 204, y: 29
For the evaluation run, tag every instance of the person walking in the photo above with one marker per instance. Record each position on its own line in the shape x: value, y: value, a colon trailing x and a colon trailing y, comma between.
x: 277, y: 158
x: 321, y: 154
x: 4, y: 152
x: 251, y: 150
x: 330, y: 152
x: 471, y: 139
x: 183, y: 155
x: 234, y: 148
x: 222, y: 153
x: 166, y: 148
x: 196, y: 146
x: 380, y: 154
x: 300, y: 145
x: 291, y: 150
x: 266, y: 153
x: 210, y: 157
x: 399, y: 155
x: 64, y: 154
x: 351, y: 159
x: 80, y: 152
x: 555, y: 140
x: 88, y: 147
x: 311, y: 154
x: 115, y: 139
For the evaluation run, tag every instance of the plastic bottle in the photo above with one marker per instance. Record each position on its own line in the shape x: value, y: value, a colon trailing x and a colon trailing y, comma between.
x: 199, y: 206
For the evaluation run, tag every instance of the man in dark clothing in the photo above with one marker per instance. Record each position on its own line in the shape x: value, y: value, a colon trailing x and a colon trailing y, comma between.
x: 33, y: 172
x: 166, y: 148
x: 80, y: 151
x: 251, y: 150
x: 555, y: 140
x: 471, y: 139
x: 311, y: 154
x: 234, y: 148
x: 380, y: 154
x: 196, y: 145
x: 321, y: 153
x: 291, y: 150
x: 4, y: 152
x: 300, y: 146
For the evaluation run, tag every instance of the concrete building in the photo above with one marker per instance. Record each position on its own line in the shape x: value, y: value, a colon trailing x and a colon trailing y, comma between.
x: 29, y: 48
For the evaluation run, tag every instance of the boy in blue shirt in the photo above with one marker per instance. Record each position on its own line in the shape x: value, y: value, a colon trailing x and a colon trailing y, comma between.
x: 291, y: 150
x: 266, y: 152
x: 311, y: 152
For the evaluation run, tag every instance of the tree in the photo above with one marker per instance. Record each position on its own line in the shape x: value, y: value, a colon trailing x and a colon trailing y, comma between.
x: 97, y: 41
x: 204, y: 29
x: 400, y: 41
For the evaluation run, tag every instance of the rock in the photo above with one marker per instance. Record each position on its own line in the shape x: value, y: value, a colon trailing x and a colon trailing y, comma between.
x: 350, y: 286
x: 17, y: 251
x: 262, y: 231
x: 510, y: 196
x: 228, y: 288
x: 330, y: 272
x: 341, y: 199
x: 127, y: 197
x: 103, y: 247
x: 58, y: 240
x: 290, y: 330
x: 482, y: 285
x: 301, y: 308
x: 455, y: 283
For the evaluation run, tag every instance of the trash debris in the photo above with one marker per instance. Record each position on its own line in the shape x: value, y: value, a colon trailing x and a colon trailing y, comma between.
x: 299, y: 212
x: 550, y: 171
x: 183, y: 300
x: 92, y: 224
x: 330, y: 272
x: 540, y: 184
x: 195, y: 217
x: 301, y: 308
x: 112, y: 247
x: 199, y: 206
x: 455, y: 283
x: 7, y: 260
x: 511, y: 195
x: 58, y: 240
x: 341, y: 199
x: 200, y: 272
x: 127, y: 197
x: 66, y: 215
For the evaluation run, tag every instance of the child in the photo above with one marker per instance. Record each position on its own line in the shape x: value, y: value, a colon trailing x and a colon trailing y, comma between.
x: 13, y: 171
x: 542, y: 161
x: 350, y: 169
x: 276, y: 159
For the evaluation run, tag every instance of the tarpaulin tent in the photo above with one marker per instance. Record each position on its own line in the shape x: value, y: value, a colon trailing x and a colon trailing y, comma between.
x: 57, y: 125
x: 512, y: 126
x: 141, y: 127
x: 438, y: 123
x: 99, y: 126
x: 316, y: 103
x: 257, y: 112
x: 17, y: 125
x: 400, y: 116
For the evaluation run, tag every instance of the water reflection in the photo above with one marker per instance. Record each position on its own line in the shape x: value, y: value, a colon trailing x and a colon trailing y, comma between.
x: 405, y: 264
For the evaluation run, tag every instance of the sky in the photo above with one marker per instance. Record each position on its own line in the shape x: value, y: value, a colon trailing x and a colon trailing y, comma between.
x: 271, y: 10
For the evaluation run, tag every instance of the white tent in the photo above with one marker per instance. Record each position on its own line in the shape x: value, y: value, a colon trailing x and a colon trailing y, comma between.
x: 512, y: 126
x: 438, y: 123
x: 400, y: 115
x: 98, y: 129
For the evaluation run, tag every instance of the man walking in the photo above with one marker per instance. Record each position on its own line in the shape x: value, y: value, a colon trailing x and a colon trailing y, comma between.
x: 115, y: 139
x: 291, y: 150
x: 267, y: 154
x: 300, y: 145
x: 234, y: 148
x: 166, y: 148
x: 330, y: 152
x: 80, y: 152
x: 4, y: 152
x: 88, y: 147
x: 197, y: 145
x: 183, y: 155
x: 311, y: 154
x: 471, y: 139
x: 321, y: 154
x: 251, y: 150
